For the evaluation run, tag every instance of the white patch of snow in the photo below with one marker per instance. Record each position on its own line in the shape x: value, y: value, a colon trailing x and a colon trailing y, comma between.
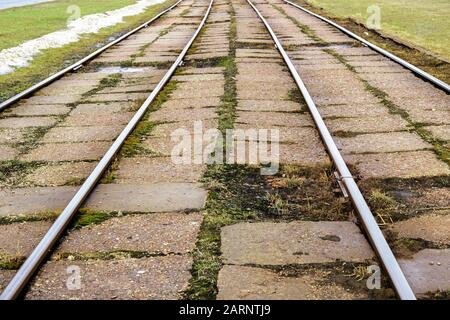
x: 112, y: 70
x: 22, y: 55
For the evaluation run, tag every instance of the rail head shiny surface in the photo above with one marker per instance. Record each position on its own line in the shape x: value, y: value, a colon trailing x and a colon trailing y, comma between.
x: 77, y: 65
x: 39, y: 254
x: 372, y: 229
x: 425, y: 75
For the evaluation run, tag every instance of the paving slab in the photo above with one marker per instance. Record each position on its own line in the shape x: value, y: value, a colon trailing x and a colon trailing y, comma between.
x: 25, y: 122
x: 60, y: 174
x: 12, y: 135
x: 138, y: 279
x: 165, y: 115
x: 297, y: 242
x: 182, y: 144
x: 430, y: 117
x: 398, y: 165
x: 5, y: 277
x: 67, y: 89
x: 285, y: 119
x: 157, y: 233
x: 156, y: 197
x: 440, y: 132
x: 367, y: 124
x: 117, y: 97
x: 188, y: 93
x: 38, y: 110
x: 250, y: 283
x: 207, y: 70
x: 198, y: 77
x: 353, y: 110
x: 56, y: 99
x: 105, y: 119
x: 166, y: 129
x: 68, y: 151
x: 8, y: 153
x: 191, y: 103
x: 310, y: 152
x: 19, y: 239
x: 27, y: 201
x: 82, y: 134
x: 130, y: 88
x: 381, y: 142
x: 428, y: 270
x: 268, y: 105
x: 431, y: 227
x: 99, y: 108
x: 160, y: 169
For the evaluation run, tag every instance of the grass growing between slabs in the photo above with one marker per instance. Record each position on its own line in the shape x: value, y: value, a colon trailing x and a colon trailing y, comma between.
x: 55, y: 59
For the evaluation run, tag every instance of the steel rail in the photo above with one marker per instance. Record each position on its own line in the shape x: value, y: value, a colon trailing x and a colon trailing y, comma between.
x: 374, y: 233
x: 425, y: 75
x: 32, y: 263
x: 77, y: 65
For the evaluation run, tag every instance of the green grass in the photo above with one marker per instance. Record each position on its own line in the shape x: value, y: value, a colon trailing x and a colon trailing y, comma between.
x: 29, y: 22
x: 52, y: 60
x: 423, y: 24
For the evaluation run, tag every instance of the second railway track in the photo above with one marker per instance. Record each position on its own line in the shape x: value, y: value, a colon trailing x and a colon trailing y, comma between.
x: 232, y: 78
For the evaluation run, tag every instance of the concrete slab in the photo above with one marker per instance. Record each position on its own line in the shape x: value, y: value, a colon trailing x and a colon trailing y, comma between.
x: 85, y: 119
x: 367, y: 124
x: 440, y: 132
x: 8, y: 153
x: 268, y: 105
x: 157, y: 197
x: 249, y: 283
x: 166, y: 233
x: 25, y: 122
x: 191, y: 103
x: 353, y: 111
x: 401, y: 165
x: 431, y: 227
x: 5, y: 277
x: 428, y: 271
x: 38, y: 110
x: 382, y: 142
x: 137, y: 279
x: 27, y: 201
x: 60, y: 174
x: 283, y: 119
x: 68, y: 151
x: 56, y: 99
x: 12, y: 135
x: 82, y: 134
x: 19, y: 239
x: 160, y: 169
x: 297, y: 242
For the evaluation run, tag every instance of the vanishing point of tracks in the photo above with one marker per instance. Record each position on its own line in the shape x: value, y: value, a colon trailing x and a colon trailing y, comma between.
x: 226, y: 30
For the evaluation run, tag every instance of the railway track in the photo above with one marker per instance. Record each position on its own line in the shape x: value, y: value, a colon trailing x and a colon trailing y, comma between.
x: 235, y: 31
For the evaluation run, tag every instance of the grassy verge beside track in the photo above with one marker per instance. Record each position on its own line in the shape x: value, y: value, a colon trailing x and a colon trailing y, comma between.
x: 52, y: 60
x: 25, y: 23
